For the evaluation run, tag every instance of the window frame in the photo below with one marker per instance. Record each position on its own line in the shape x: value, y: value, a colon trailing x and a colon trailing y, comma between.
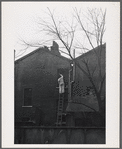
x: 24, y: 97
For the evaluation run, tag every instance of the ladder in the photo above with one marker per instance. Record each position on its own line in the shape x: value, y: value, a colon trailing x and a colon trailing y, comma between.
x: 60, y: 109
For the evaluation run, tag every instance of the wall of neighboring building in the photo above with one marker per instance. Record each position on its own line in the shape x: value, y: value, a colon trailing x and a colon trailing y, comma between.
x: 39, y: 73
x: 82, y: 84
x: 82, y: 89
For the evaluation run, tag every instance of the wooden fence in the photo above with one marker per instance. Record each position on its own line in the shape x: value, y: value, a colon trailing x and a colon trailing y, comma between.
x: 59, y: 135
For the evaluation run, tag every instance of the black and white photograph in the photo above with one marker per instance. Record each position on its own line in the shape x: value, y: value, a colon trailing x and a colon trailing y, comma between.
x: 59, y: 73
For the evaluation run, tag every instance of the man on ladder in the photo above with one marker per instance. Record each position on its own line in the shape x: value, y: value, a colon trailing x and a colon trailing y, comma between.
x: 61, y: 99
x: 61, y: 84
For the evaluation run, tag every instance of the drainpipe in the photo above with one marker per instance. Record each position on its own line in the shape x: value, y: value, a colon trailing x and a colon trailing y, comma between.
x: 73, y: 78
x: 70, y: 82
x: 74, y: 66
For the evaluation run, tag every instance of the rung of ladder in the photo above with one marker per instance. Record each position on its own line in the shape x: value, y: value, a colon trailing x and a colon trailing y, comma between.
x: 60, y: 109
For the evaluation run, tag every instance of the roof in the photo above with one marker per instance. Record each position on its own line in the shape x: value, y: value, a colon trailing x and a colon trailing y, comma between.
x: 89, y: 52
x: 88, y: 104
x: 60, y: 56
x: 42, y: 49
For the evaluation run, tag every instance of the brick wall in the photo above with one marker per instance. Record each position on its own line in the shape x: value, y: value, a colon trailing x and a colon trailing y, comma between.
x: 39, y: 72
x: 81, y: 80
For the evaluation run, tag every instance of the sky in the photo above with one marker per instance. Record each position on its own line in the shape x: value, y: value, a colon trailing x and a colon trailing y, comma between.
x: 26, y: 16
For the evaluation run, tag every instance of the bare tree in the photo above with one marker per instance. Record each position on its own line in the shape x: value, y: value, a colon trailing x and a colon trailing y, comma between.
x: 65, y: 32
x: 94, y: 35
x: 92, y: 28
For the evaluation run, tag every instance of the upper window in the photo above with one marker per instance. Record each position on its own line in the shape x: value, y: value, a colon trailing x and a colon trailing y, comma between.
x: 27, y: 96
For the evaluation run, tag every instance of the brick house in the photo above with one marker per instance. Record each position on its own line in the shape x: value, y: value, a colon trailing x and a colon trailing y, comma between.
x: 36, y: 92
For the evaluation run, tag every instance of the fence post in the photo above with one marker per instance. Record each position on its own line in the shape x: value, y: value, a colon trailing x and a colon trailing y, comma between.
x: 85, y: 136
x: 68, y: 134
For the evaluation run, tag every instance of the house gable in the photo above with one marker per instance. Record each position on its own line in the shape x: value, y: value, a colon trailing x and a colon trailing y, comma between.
x: 42, y: 50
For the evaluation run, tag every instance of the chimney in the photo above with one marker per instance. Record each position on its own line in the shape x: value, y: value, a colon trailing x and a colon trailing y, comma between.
x: 55, y: 48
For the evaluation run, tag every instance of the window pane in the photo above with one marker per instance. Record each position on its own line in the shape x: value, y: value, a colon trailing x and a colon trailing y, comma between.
x: 27, y: 96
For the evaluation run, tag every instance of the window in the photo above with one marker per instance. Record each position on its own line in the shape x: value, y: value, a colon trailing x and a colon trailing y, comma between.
x: 27, y: 96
